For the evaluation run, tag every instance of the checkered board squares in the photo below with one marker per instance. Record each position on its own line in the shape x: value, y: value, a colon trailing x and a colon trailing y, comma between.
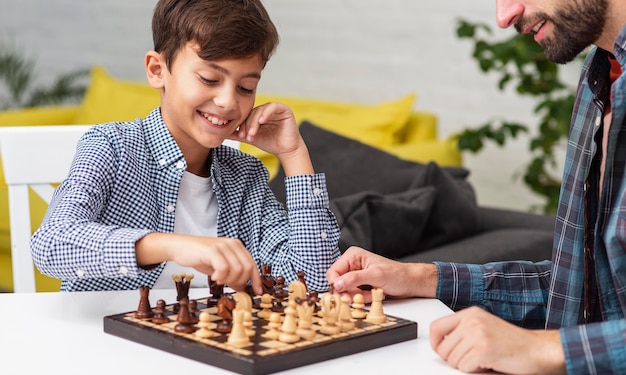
x: 263, y: 355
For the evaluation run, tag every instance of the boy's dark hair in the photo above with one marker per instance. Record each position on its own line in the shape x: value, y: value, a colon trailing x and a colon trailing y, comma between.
x: 222, y: 28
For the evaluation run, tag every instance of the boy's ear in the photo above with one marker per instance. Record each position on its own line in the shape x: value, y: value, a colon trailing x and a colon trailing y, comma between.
x: 155, y: 69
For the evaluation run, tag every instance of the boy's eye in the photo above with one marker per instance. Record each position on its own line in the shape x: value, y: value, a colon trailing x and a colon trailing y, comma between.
x: 207, y: 81
x: 246, y: 90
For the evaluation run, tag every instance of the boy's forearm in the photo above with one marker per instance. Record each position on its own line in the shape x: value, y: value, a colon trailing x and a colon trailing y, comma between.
x: 297, y: 162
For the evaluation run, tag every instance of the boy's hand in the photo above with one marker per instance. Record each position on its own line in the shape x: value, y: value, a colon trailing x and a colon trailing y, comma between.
x: 226, y: 260
x: 272, y: 127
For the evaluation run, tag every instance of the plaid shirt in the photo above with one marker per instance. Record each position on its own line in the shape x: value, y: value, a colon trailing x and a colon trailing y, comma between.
x: 551, y: 294
x: 123, y: 184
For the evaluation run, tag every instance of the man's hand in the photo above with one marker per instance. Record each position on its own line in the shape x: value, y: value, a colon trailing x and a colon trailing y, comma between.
x: 358, y: 267
x: 473, y: 340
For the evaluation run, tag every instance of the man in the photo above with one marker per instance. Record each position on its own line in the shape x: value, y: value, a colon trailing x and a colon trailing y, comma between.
x: 579, y: 297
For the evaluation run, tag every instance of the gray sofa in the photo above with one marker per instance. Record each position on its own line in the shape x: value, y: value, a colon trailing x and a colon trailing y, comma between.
x: 416, y: 212
x: 502, y: 235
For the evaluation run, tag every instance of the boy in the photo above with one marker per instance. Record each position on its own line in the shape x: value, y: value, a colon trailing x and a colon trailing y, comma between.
x: 162, y: 195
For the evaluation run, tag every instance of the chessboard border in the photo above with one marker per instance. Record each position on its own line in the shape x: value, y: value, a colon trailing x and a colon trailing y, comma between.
x: 117, y: 325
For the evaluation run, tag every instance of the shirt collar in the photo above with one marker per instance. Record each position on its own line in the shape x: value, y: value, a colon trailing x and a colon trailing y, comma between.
x: 164, y: 148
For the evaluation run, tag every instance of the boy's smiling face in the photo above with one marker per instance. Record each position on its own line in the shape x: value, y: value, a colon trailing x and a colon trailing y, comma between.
x: 203, y: 102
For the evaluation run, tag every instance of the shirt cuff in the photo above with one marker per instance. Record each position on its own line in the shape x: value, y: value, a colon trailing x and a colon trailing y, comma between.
x: 451, y: 276
x: 306, y: 191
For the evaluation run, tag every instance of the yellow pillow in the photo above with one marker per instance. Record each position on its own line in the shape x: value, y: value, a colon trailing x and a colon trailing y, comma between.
x: 375, y: 125
x: 110, y: 99
x: 444, y: 152
x: 52, y: 115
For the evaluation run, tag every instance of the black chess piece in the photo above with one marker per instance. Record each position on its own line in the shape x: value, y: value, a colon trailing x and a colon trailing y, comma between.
x: 144, y: 310
x: 159, y: 313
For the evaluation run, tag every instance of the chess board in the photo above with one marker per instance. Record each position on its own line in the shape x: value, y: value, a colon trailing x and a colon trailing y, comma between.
x: 262, y: 355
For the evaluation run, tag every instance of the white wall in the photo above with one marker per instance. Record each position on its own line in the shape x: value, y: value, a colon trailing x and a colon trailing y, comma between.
x: 352, y: 50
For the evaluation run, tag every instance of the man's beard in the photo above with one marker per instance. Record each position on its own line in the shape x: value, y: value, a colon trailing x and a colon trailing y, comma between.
x: 576, y: 27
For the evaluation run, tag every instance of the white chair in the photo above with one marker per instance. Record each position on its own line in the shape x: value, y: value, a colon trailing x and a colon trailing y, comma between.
x: 35, y: 157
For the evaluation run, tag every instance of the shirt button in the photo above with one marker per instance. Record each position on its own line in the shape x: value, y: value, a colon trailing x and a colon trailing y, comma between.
x: 180, y: 165
x: 170, y: 208
x: 123, y: 270
x: 80, y: 273
x: 162, y: 162
x: 324, y: 235
x: 317, y: 191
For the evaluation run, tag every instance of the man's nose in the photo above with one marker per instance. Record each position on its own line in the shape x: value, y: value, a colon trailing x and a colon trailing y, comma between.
x: 508, y: 12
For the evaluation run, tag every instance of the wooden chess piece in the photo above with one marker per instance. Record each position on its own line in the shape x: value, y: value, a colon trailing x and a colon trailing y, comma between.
x: 184, y: 319
x: 357, y: 307
x: 244, y: 302
x: 345, y: 315
x: 301, y: 276
x: 313, y: 295
x: 376, y: 314
x: 266, y: 306
x: 225, y: 307
x: 159, y: 313
x: 193, y: 310
x: 217, y: 291
x: 238, y: 336
x: 331, y: 303
x: 297, y: 289
x: 289, y: 326
x: 144, y: 310
x: 274, y: 326
x: 268, y: 280
x: 280, y: 295
x: 305, y: 309
x: 206, y: 326
x: 182, y: 282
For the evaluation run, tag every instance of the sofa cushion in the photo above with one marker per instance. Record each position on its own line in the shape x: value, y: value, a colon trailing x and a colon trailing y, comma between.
x: 370, y: 220
x: 111, y: 99
x: 366, y: 183
x: 498, y: 245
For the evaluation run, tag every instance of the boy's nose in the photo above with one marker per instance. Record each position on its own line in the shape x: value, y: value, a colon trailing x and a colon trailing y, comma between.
x: 225, y: 99
x: 508, y: 12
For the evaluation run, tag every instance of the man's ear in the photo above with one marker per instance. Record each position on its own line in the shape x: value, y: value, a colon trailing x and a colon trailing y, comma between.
x: 155, y: 69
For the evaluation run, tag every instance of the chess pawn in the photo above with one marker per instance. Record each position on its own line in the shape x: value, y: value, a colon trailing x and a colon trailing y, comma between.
x: 206, y: 326
x: 376, y: 315
x: 274, y: 324
x: 357, y: 307
x: 248, y: 324
x: 266, y: 305
x: 159, y: 313
x: 238, y: 336
x: 289, y: 326
x: 345, y: 316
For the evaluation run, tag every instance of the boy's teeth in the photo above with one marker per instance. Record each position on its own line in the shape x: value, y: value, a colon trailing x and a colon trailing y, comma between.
x: 215, y: 120
x: 538, y: 26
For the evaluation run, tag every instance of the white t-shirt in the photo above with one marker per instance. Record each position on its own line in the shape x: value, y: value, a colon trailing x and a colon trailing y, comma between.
x: 196, y: 214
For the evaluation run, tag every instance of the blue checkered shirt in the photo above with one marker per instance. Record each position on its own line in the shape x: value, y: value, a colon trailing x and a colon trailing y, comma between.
x: 123, y: 184
x: 550, y: 294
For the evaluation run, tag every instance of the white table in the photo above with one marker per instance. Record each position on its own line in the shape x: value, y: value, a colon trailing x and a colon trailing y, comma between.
x: 54, y: 333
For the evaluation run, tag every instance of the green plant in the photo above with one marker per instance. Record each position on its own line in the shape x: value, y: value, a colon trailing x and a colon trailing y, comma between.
x: 520, y: 61
x: 17, y: 80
